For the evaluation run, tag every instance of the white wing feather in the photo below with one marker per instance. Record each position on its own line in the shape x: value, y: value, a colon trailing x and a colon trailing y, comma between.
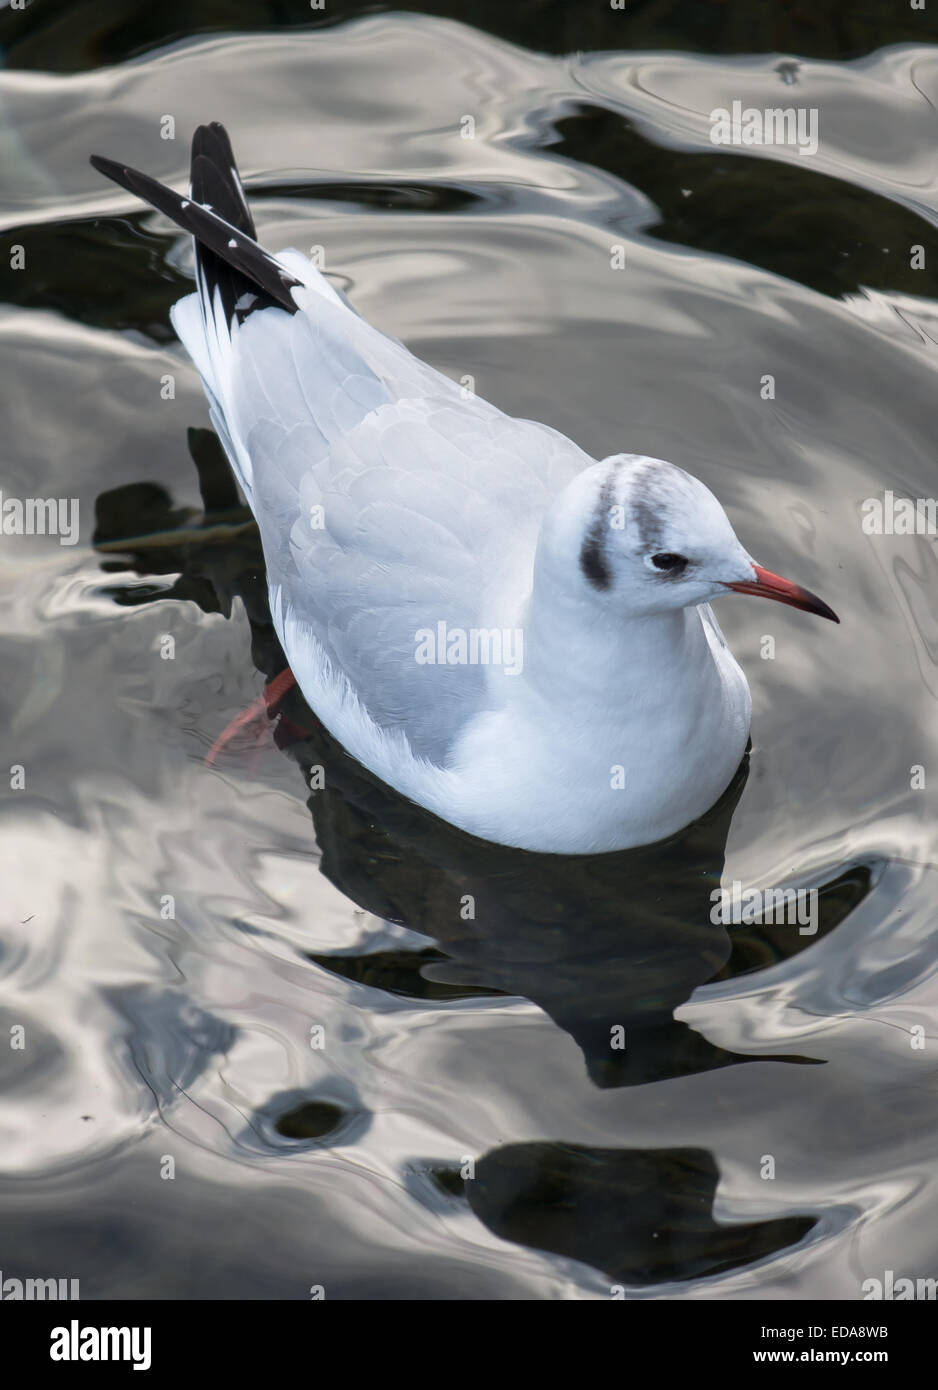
x: 388, y: 501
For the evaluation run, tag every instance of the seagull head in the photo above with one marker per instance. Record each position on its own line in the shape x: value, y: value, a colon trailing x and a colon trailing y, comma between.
x: 645, y: 537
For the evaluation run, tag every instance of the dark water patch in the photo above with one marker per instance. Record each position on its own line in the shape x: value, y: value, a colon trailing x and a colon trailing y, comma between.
x: 108, y: 273
x: 643, y: 1217
x: 762, y: 211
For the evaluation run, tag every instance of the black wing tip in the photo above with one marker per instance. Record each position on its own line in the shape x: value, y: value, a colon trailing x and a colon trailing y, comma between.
x: 212, y: 134
x: 132, y: 179
x: 109, y: 167
x: 227, y: 250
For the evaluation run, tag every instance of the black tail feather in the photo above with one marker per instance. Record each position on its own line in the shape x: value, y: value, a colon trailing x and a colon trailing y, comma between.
x: 227, y: 254
x: 215, y: 183
x: 214, y: 180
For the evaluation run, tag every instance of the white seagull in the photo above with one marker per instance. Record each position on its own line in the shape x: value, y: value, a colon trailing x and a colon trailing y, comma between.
x: 512, y: 635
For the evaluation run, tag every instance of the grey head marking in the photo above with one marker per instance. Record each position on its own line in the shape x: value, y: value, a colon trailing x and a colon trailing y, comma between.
x: 645, y: 481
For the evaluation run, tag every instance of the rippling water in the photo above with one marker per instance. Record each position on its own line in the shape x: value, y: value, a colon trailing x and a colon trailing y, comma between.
x: 274, y: 993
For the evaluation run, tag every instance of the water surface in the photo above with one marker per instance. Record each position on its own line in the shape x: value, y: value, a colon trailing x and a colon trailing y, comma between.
x: 175, y: 937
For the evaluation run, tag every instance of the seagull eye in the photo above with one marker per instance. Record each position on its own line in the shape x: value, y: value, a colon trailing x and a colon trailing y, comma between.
x: 672, y: 564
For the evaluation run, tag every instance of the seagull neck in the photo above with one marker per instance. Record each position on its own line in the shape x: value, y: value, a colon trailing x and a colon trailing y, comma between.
x: 582, y: 654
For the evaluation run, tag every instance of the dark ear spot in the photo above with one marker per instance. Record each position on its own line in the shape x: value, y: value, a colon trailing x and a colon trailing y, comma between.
x: 593, y: 560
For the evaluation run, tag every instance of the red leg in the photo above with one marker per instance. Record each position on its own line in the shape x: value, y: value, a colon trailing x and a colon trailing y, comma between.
x: 266, y: 703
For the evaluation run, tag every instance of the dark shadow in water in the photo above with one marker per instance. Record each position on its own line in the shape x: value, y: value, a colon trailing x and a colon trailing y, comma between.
x: 607, y: 945
x: 642, y: 1216
x: 762, y: 212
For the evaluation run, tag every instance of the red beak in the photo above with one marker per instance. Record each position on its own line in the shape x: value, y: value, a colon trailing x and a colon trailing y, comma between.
x: 769, y: 585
